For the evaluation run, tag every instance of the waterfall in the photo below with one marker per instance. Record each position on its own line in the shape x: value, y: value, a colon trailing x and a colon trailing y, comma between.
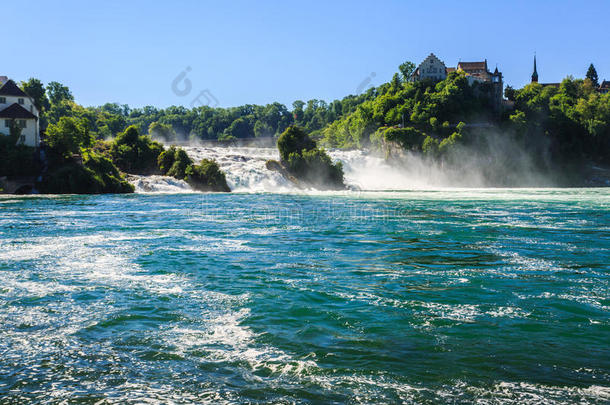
x: 245, y: 171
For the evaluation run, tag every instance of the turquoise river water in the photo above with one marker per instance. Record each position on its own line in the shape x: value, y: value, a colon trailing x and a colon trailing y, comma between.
x: 447, y: 296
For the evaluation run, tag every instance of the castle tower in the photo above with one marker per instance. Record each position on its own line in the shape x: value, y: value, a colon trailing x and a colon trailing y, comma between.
x: 498, y: 90
x: 535, y: 74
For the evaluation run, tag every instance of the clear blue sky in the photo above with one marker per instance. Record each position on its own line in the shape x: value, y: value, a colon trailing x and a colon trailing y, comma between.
x: 258, y: 52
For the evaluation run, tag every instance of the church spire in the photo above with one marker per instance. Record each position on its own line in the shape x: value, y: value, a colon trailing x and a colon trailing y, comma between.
x: 535, y: 74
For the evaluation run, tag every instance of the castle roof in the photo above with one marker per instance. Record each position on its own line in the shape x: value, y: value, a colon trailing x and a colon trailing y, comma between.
x: 11, y: 89
x: 15, y: 111
x: 466, y: 66
x: 605, y: 85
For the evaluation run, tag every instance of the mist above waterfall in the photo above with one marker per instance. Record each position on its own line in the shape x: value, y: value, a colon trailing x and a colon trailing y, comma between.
x: 501, y: 163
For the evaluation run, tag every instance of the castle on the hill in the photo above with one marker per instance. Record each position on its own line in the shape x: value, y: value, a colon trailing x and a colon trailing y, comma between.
x: 434, y: 68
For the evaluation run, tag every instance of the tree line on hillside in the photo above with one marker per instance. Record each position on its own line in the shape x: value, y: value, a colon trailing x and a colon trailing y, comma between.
x: 180, y: 123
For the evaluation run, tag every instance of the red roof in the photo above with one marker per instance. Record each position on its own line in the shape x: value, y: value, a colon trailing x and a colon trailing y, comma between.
x: 466, y: 66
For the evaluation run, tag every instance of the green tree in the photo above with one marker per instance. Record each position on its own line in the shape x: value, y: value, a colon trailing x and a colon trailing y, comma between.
x: 166, y: 159
x: 58, y: 92
x: 592, y: 75
x: 181, y: 162
x: 35, y: 89
x: 294, y: 139
x: 207, y: 176
x: 407, y: 70
x: 509, y: 93
x: 68, y: 136
x: 135, y: 153
x: 163, y: 131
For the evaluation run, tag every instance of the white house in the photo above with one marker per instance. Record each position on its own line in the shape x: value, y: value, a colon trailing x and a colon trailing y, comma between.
x: 16, y: 106
x: 431, y: 68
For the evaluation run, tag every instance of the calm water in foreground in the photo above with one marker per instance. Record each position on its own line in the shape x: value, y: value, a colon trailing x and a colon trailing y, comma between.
x: 439, y: 296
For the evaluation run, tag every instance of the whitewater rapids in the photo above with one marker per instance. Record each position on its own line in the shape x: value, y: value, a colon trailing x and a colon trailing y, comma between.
x: 246, y: 172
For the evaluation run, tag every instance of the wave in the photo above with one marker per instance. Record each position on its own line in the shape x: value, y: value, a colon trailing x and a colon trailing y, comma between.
x: 159, y: 184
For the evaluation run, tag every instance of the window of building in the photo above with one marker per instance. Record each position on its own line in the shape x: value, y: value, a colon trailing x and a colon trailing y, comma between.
x: 7, y: 123
x: 2, y: 100
x: 22, y: 123
x: 21, y: 101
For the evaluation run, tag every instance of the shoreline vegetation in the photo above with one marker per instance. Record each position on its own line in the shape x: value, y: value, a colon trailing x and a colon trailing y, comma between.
x: 563, y: 131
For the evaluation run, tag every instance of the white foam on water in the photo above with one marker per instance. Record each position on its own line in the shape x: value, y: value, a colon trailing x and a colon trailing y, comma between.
x: 159, y: 184
x: 245, y: 168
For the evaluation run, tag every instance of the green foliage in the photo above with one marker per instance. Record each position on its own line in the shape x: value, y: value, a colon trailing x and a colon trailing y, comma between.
x: 420, y: 105
x: 592, y: 75
x: 112, y: 180
x: 57, y: 93
x: 163, y: 131
x: 35, y: 89
x: 166, y: 159
x: 68, y: 136
x: 16, y: 160
x: 302, y: 158
x: 135, y: 153
x: 239, y: 129
x: 315, y: 167
x: 97, y: 176
x: 206, y: 176
x: 407, y: 69
x: 408, y: 138
x: 174, y: 162
x: 430, y: 147
x: 449, y: 144
x: 573, y: 118
x: 180, y: 164
x: 509, y: 93
x: 294, y: 140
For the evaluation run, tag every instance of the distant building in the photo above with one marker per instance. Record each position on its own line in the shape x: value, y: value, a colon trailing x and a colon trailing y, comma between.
x: 604, y: 88
x: 535, y: 74
x: 535, y: 77
x: 476, y: 70
x: 431, y: 68
x: 17, y: 107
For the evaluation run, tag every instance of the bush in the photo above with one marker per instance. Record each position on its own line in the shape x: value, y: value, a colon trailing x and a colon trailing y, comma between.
x: 16, y: 160
x: 166, y: 159
x: 294, y: 140
x: 207, y: 176
x: 135, y: 153
x: 408, y: 138
x: 68, y: 136
x: 181, y: 162
x: 302, y: 158
x: 430, y: 147
x: 174, y: 162
x: 97, y: 175
x: 316, y: 167
x: 449, y: 144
